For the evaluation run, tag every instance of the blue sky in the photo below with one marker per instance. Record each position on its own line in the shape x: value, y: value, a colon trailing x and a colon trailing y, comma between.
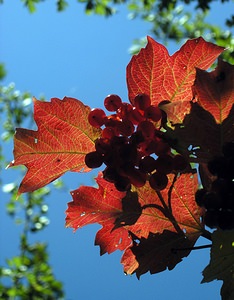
x: 70, y: 54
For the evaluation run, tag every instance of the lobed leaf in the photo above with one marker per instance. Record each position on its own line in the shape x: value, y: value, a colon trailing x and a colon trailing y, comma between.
x: 60, y: 144
x: 163, y: 77
x: 100, y: 205
x: 140, y: 215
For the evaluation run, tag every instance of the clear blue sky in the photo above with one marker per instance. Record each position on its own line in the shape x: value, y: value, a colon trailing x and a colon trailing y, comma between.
x: 70, y: 54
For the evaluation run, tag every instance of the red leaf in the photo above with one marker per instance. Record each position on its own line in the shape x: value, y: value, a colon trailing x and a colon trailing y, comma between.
x: 113, y: 210
x: 103, y: 205
x: 163, y: 77
x: 184, y: 209
x: 59, y: 145
x: 214, y: 91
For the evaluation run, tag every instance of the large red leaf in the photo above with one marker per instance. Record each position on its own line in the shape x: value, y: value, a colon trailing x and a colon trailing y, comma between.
x: 59, y: 145
x: 119, y: 213
x: 214, y: 91
x: 163, y: 77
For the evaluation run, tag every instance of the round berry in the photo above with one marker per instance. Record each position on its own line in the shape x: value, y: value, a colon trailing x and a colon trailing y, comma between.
x: 147, y: 164
x: 147, y: 129
x: 102, y: 145
x: 153, y: 112
x: 125, y: 128
x: 158, y: 181
x: 93, y: 160
x: 96, y: 117
x: 135, y: 116
x: 124, y: 110
x: 142, y: 101
x: 112, y: 102
x: 122, y: 184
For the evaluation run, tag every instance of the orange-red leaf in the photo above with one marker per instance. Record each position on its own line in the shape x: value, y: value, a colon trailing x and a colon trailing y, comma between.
x: 100, y: 205
x: 121, y: 213
x: 214, y: 91
x: 59, y: 145
x: 163, y: 77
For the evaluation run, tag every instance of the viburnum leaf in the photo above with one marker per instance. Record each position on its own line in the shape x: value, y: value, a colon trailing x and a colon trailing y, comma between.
x: 100, y: 205
x: 60, y: 144
x: 200, y: 137
x: 221, y: 265
x: 127, y: 216
x: 156, y: 253
x: 214, y: 91
x: 163, y: 77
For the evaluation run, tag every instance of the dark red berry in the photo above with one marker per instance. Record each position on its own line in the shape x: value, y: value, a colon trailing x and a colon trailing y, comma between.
x: 122, y: 184
x: 147, y: 129
x: 93, y: 160
x: 102, y: 145
x: 124, y: 110
x: 147, y: 164
x: 135, y: 116
x: 158, y: 181
x: 112, y: 102
x: 142, y: 101
x: 96, y: 117
x: 153, y: 112
x: 125, y: 127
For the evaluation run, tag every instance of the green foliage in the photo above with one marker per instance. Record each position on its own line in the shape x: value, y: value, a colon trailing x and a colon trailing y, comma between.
x: 171, y: 20
x: 27, y: 275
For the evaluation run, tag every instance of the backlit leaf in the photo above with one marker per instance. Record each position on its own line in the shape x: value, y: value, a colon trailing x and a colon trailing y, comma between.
x: 141, y: 215
x: 60, y: 144
x: 100, y: 205
x: 163, y: 77
x: 214, y: 91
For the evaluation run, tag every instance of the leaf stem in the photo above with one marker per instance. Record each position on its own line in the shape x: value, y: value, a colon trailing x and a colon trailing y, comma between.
x: 170, y: 192
x: 168, y: 213
x: 174, y: 250
x: 206, y: 234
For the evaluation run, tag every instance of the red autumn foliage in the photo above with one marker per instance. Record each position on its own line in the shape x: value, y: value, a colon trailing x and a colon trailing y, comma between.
x: 59, y: 145
x: 155, y: 228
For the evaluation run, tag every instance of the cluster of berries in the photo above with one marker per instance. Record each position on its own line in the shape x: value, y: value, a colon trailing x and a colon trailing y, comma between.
x: 131, y: 144
x: 219, y: 200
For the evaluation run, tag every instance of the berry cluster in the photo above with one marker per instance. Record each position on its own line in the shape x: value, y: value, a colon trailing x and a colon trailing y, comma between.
x: 219, y: 200
x: 131, y: 145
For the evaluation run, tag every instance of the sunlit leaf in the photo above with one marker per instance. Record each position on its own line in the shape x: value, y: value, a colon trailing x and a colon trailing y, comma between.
x: 60, y: 144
